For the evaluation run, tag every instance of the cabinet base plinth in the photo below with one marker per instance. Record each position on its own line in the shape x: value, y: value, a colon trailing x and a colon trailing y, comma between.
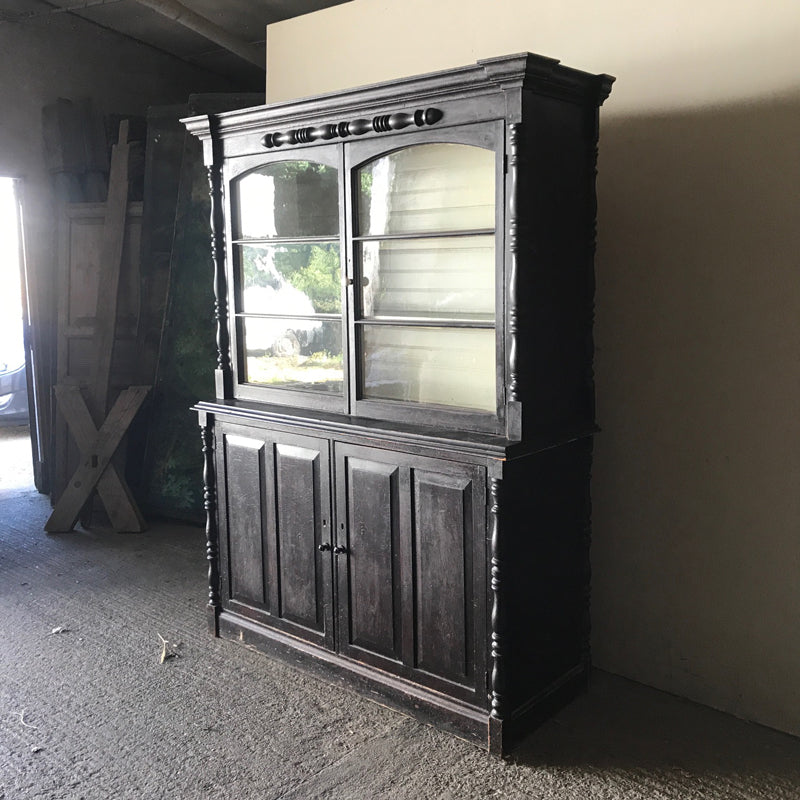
x: 376, y: 686
x: 505, y: 735
x: 212, y: 618
x: 474, y: 725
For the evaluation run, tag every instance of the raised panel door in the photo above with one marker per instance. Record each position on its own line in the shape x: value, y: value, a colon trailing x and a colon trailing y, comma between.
x: 368, y: 556
x: 299, y: 525
x: 275, y: 530
x: 245, y: 545
x: 443, y: 533
x: 410, y: 571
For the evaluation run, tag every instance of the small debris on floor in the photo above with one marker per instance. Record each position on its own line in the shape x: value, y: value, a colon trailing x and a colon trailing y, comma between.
x: 168, y: 649
x: 36, y: 749
x: 21, y: 715
x: 59, y: 629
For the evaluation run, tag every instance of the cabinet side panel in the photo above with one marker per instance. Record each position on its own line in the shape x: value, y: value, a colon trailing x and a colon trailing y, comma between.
x: 555, y: 291
x: 297, y: 484
x: 545, y: 580
x: 245, y: 460
x: 373, y: 523
x: 443, y: 574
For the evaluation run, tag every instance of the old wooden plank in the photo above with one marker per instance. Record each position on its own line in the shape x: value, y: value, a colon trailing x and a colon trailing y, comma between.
x: 108, y: 287
x: 97, y: 468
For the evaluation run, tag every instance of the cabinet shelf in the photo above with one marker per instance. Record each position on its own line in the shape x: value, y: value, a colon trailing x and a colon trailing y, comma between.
x: 307, y: 317
x: 279, y: 240
x: 443, y: 322
x: 389, y: 237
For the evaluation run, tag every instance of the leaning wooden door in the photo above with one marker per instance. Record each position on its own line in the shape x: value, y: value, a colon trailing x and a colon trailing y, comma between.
x: 80, y: 265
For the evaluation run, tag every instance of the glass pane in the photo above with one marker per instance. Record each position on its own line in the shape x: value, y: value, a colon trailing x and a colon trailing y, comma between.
x: 427, y: 187
x: 294, y: 354
x: 446, y: 278
x: 287, y: 199
x: 445, y: 366
x: 291, y: 279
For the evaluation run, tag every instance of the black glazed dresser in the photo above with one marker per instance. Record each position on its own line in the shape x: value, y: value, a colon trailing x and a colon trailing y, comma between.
x: 397, y: 461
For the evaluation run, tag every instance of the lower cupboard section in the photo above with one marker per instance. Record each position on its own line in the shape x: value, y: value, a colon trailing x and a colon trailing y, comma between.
x: 378, y: 556
x: 452, y: 588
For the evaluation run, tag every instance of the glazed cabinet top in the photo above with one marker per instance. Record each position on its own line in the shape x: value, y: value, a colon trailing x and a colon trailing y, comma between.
x: 416, y: 253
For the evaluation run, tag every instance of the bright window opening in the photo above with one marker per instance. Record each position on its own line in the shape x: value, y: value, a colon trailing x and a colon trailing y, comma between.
x: 13, y: 398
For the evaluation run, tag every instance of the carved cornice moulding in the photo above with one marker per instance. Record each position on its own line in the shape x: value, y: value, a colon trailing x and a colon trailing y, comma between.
x: 486, y: 76
x: 380, y: 124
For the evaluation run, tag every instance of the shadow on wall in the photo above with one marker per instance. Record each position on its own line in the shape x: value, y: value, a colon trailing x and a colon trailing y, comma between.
x: 696, y: 502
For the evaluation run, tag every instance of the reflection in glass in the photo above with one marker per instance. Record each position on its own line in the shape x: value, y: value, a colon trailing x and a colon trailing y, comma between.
x: 305, y: 355
x: 287, y: 199
x: 446, y: 366
x: 427, y: 187
x: 444, y: 278
x: 291, y: 279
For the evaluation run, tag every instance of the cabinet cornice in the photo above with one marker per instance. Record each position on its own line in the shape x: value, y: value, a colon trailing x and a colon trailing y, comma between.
x: 485, y: 77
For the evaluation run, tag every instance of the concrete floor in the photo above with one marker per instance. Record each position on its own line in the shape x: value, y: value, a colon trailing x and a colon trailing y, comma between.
x: 91, y: 713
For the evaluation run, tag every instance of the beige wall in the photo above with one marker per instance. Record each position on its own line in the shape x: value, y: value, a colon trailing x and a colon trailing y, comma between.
x: 696, y: 549
x: 667, y: 54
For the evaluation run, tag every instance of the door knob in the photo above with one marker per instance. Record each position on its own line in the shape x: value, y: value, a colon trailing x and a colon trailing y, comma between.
x: 324, y: 547
x: 339, y: 550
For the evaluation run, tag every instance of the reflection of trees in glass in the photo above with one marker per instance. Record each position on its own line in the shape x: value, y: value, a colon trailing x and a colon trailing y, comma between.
x: 318, y: 279
x: 294, y: 280
x: 255, y: 271
x: 306, y: 198
x: 364, y: 198
x: 313, y: 269
x: 305, y: 203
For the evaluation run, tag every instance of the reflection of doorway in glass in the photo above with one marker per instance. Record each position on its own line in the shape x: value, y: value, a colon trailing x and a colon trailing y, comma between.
x: 13, y: 392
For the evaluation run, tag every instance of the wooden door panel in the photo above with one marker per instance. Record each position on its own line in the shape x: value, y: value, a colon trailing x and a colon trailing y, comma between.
x: 443, y: 574
x: 245, y: 463
x: 275, y: 513
x: 297, y: 501
x: 373, y: 570
x: 411, y: 586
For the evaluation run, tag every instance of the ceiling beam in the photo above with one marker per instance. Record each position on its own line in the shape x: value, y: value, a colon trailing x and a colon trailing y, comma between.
x: 205, y: 27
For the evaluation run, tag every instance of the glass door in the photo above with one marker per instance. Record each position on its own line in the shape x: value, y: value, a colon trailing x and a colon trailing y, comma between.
x: 287, y: 285
x: 426, y: 256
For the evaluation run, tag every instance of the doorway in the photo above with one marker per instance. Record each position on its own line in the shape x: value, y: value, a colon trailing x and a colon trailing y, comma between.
x: 15, y: 441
